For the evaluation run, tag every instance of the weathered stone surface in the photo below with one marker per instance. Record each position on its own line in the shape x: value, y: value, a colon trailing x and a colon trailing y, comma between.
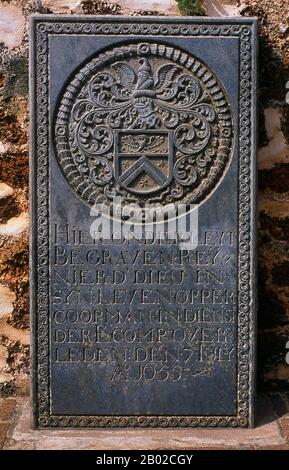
x: 276, y: 151
x: 221, y: 7
x: 12, y: 23
x: 266, y: 435
x: 15, y: 225
x: 5, y: 191
x: 7, y: 299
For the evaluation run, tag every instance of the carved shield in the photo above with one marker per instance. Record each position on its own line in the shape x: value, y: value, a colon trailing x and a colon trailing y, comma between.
x: 143, y: 160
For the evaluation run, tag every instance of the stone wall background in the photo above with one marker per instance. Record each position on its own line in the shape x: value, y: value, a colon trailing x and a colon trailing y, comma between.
x: 273, y: 164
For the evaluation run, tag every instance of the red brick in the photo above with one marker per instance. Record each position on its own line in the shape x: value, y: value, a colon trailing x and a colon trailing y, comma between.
x: 3, y: 433
x: 7, y: 408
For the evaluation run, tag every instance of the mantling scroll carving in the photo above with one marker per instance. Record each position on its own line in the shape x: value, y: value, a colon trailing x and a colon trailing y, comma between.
x: 156, y: 88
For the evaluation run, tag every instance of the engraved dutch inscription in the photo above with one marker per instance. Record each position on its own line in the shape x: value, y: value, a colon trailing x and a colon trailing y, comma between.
x: 143, y: 116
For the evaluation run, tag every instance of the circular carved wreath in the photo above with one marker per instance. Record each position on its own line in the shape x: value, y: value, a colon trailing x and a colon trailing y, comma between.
x: 140, y: 89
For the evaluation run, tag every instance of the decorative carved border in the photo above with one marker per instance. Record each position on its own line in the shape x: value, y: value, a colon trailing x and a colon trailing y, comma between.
x: 42, y: 28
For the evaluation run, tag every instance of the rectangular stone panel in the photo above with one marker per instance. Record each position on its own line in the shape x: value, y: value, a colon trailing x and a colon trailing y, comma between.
x: 143, y: 221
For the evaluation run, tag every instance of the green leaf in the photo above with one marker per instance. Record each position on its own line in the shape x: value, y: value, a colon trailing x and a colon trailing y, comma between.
x: 190, y: 7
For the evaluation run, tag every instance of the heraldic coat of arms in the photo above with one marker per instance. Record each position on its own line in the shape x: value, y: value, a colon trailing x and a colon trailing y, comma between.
x: 148, y: 122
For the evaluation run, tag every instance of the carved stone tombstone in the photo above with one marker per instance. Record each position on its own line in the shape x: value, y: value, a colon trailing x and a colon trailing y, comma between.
x: 159, y: 113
